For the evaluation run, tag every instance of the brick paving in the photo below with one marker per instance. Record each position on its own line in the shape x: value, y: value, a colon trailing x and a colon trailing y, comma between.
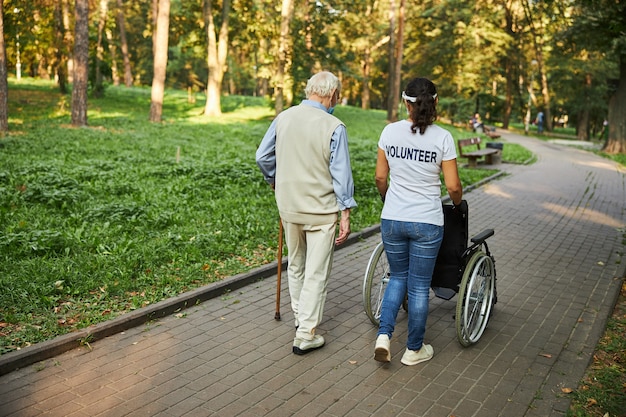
x: 558, y: 245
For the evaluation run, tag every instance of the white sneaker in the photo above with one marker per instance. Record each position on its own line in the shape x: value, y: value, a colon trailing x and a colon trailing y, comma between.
x: 302, y: 346
x: 382, y: 352
x: 413, y: 357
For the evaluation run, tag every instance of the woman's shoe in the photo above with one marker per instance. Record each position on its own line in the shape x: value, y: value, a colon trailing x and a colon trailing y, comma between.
x: 413, y: 357
x: 382, y: 352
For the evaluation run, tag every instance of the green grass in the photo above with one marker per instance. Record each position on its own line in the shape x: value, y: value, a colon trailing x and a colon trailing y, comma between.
x: 602, y: 391
x: 99, y: 221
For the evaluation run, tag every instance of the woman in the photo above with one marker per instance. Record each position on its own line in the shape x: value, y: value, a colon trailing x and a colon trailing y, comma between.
x: 412, y: 153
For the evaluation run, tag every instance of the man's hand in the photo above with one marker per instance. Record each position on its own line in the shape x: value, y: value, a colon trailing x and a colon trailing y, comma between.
x: 344, y: 227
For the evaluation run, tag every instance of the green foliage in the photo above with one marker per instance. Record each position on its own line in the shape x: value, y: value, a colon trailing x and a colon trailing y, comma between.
x: 98, y: 221
x: 599, y: 25
x: 478, y: 53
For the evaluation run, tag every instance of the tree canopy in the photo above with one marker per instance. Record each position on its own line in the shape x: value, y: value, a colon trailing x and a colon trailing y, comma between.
x: 503, y: 59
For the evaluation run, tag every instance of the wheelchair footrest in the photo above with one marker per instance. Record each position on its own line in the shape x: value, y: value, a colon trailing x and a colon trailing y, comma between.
x: 445, y: 293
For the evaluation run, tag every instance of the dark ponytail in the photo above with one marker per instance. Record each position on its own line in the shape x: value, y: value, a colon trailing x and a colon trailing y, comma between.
x: 421, y: 96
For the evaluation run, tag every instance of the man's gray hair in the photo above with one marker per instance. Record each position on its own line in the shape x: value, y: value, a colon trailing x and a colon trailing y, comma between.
x: 322, y: 84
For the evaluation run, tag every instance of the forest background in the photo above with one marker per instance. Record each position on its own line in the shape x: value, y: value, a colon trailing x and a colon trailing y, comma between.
x: 506, y: 60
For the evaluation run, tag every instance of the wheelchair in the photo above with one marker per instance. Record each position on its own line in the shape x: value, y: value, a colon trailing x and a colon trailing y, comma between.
x: 466, y: 271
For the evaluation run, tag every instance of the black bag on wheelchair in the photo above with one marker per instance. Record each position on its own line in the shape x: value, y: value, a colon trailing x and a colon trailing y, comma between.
x: 449, y: 266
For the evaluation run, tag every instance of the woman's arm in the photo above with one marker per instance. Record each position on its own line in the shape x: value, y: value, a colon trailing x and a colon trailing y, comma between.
x: 382, y: 173
x: 452, y: 181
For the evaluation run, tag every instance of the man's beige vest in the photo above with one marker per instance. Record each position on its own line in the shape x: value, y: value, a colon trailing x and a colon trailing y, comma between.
x: 304, y: 186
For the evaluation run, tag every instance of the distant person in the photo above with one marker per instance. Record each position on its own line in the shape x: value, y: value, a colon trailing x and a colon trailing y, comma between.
x: 477, y: 124
x: 604, y: 132
x: 411, y: 155
x: 540, y: 122
x: 304, y: 157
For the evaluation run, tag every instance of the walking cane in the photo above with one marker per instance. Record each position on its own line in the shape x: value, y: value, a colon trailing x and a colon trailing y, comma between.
x: 280, y: 268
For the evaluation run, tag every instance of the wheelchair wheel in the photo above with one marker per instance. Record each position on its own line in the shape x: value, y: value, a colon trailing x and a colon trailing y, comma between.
x: 374, y: 283
x: 475, y: 298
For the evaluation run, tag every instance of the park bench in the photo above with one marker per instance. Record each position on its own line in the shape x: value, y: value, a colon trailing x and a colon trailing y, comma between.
x: 491, y: 132
x: 476, y: 153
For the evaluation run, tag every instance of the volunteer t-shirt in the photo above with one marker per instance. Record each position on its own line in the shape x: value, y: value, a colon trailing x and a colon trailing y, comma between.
x: 414, y: 193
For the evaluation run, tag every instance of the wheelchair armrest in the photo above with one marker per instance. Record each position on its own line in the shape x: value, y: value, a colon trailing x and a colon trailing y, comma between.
x: 482, y: 236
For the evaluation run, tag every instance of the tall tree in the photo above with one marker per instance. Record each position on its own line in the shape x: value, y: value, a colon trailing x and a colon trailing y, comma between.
x: 81, y: 64
x: 102, y: 19
x: 4, y: 88
x: 286, y: 15
x: 535, y: 14
x: 366, y: 32
x: 61, y: 58
x: 121, y: 25
x: 160, y: 60
x: 600, y: 25
x: 68, y: 40
x: 394, y: 94
x: 392, y: 102
x: 510, y: 59
x: 216, y: 56
x: 115, y: 76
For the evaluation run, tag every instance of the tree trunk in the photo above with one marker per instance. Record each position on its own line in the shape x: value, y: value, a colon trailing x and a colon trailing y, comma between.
x: 616, y: 142
x: 510, y: 88
x: 366, y: 64
x: 121, y: 24
x: 115, y: 75
x: 392, y: 104
x: 81, y: 64
x: 508, y: 68
x: 285, y: 21
x: 59, y: 39
x: 582, y: 126
x: 154, y: 12
x: 535, y: 25
x: 397, y: 78
x: 261, y: 80
x: 217, y: 52
x: 161, y: 40
x: 99, y: 87
x: 545, y: 93
x: 65, y: 11
x: 4, y: 88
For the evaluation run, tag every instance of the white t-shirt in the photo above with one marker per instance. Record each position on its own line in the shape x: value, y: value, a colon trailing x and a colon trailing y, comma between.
x: 414, y: 193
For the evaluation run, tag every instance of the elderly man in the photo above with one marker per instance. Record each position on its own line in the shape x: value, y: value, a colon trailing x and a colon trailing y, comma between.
x: 304, y: 157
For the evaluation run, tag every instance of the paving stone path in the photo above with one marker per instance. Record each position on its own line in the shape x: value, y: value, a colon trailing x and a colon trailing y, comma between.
x: 560, y: 225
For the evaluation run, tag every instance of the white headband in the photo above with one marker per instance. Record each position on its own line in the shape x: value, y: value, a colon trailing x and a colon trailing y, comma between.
x: 413, y: 99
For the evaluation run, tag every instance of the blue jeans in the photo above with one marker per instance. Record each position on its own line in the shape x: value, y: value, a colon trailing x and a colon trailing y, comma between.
x: 411, y: 250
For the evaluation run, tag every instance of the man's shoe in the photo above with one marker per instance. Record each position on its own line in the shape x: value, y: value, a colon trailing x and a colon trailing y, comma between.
x: 303, y: 346
x: 413, y: 357
x: 382, y: 352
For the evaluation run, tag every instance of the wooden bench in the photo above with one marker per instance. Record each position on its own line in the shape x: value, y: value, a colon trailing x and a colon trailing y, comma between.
x: 474, y: 155
x: 491, y: 132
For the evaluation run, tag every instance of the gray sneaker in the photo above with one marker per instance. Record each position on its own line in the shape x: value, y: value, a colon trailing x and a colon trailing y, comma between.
x: 302, y: 346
